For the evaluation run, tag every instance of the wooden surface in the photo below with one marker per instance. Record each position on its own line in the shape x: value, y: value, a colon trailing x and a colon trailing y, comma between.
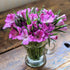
x: 15, y: 59
x: 55, y: 5
x: 60, y: 60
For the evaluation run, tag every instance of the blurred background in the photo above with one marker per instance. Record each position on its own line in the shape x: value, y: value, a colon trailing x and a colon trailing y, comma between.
x: 8, y: 4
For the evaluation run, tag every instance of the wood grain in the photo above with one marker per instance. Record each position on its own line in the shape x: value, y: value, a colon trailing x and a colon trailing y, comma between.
x: 59, y: 60
x: 55, y: 5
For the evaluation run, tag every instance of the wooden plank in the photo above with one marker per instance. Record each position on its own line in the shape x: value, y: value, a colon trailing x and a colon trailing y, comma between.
x: 60, y: 60
x: 55, y: 5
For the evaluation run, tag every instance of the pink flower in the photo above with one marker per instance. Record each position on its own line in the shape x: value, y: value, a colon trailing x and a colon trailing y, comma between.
x: 51, y: 27
x: 63, y: 16
x: 33, y: 16
x: 13, y: 34
x: 10, y: 19
x: 17, y: 27
x: 34, y: 23
x: 44, y: 11
x: 24, y: 12
x: 51, y: 13
x: 43, y: 26
x: 24, y: 36
x: 46, y: 36
x: 7, y: 25
x: 60, y: 22
x: 38, y: 36
x: 54, y: 37
x: 36, y: 9
x: 19, y: 13
x: 63, y: 29
x: 29, y: 27
x: 47, y: 18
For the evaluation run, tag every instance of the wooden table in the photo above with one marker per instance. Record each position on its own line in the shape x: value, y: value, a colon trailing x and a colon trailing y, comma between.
x: 15, y: 59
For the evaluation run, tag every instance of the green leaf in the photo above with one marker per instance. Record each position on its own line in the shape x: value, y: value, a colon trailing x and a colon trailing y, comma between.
x: 38, y: 12
x: 58, y: 27
x: 15, y: 29
x: 32, y: 10
x: 60, y: 31
x: 13, y: 11
x: 62, y: 26
x: 49, y: 41
x: 57, y: 13
x: 53, y: 40
x: 28, y: 19
x: 55, y: 34
x: 32, y: 27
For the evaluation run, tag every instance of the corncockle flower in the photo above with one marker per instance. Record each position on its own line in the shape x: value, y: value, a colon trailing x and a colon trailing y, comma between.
x: 13, y: 34
x: 54, y: 37
x: 63, y: 29
x: 29, y: 25
x: 45, y: 36
x: 19, y: 13
x: 33, y: 16
x: 43, y: 26
x: 63, y: 17
x: 51, y: 27
x: 44, y: 11
x: 36, y: 9
x: 34, y: 23
x: 38, y: 36
x: 51, y: 13
x: 60, y: 22
x: 10, y: 19
x: 46, y: 18
x: 24, y: 12
x: 19, y: 29
x: 24, y: 36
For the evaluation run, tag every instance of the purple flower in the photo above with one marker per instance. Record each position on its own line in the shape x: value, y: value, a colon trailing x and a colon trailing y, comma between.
x: 46, y: 18
x: 43, y: 26
x: 60, y: 22
x: 51, y: 13
x: 46, y: 36
x: 63, y: 17
x: 24, y: 36
x: 10, y: 19
x: 13, y: 34
x: 40, y: 28
x: 24, y: 12
x: 51, y: 27
x: 63, y: 29
x: 38, y: 36
x: 19, y: 13
x: 44, y: 11
x: 54, y: 37
x: 36, y: 9
x: 33, y: 16
x: 29, y: 27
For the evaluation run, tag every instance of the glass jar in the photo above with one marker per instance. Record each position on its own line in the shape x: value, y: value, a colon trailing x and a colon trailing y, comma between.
x: 51, y: 48
x: 35, y: 54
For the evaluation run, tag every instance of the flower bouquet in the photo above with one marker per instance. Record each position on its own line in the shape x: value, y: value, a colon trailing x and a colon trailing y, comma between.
x: 35, y: 28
